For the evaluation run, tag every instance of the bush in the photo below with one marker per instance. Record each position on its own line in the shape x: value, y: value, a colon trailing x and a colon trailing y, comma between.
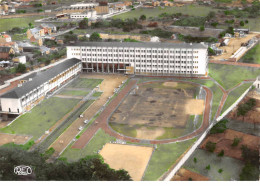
x: 244, y: 108
x: 220, y: 127
x: 21, y: 68
x: 249, y: 155
x: 220, y: 170
x: 249, y: 173
x: 95, y: 37
x: 242, y: 23
x: 236, y: 142
x: 83, y: 24
x: 207, y: 167
x: 210, y: 146
x: 221, y: 153
x: 142, y: 17
x: 195, y: 160
x: 202, y: 28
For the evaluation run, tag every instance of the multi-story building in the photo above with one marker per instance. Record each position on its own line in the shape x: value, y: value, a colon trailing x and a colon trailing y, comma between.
x: 142, y: 58
x: 30, y: 93
x: 87, y: 14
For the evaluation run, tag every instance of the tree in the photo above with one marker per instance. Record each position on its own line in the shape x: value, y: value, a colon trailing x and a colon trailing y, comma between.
x: 95, y: 37
x: 202, y: 28
x: 21, y: 68
x: 221, y: 153
x: 142, y: 17
x: 236, y: 142
x: 30, y: 25
x: 210, y: 146
x: 195, y: 160
x: 242, y: 23
x: 83, y: 24
x: 211, y: 15
x: 207, y: 167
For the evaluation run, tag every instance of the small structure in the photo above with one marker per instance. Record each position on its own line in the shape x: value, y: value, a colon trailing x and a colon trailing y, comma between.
x: 5, y: 52
x: 257, y: 83
x: 155, y: 39
x: 20, y: 59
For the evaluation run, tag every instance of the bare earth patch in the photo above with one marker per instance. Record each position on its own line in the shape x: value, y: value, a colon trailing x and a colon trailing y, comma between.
x: 133, y: 159
x: 12, y: 138
x: 224, y: 141
x: 194, y: 106
x: 149, y: 134
x: 170, y: 84
x: 185, y: 175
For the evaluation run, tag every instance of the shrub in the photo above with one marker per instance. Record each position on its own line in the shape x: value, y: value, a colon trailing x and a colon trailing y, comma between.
x: 221, y: 153
x: 249, y: 173
x: 195, y: 160
x: 207, y: 167
x: 249, y: 155
x: 244, y: 108
x: 220, y: 127
x: 220, y: 170
x: 210, y: 146
x: 236, y: 142
x: 202, y: 28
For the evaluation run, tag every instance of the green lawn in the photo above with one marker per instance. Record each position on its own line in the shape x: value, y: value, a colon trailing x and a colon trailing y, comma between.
x: 41, y: 117
x: 192, y: 10
x: 231, y: 167
x: 252, y: 56
x: 74, y: 92
x: 164, y: 157
x: 234, y: 95
x: 85, y: 83
x: 229, y: 76
x: 19, y: 37
x: 97, y: 94
x: 95, y: 144
x: 125, y: 129
x: 7, y: 24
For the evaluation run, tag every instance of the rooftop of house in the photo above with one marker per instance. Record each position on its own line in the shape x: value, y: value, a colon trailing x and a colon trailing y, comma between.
x: 40, y: 79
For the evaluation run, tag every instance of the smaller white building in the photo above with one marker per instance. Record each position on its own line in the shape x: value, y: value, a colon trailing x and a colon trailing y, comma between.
x: 257, y: 83
x: 20, y: 59
x: 87, y: 14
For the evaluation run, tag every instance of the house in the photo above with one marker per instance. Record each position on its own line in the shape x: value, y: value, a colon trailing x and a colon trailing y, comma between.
x: 86, y: 14
x: 156, y: 3
x: 5, y: 52
x: 48, y: 28
x: 5, y: 38
x: 36, y: 32
x: 4, y: 64
x: 37, y: 40
x: 45, y: 50
x: 30, y: 93
x: 14, y: 45
x: 20, y: 59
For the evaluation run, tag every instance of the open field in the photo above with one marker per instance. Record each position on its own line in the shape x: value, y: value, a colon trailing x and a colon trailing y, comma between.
x: 13, y: 138
x: 85, y: 83
x: 192, y: 10
x: 41, y: 117
x: 229, y: 76
x: 234, y: 95
x: 252, y: 56
x: 164, y: 157
x: 95, y: 144
x: 133, y: 159
x: 187, y: 175
x: 74, y: 92
x: 231, y: 167
x: 135, y: 117
x: 253, y: 129
x: 225, y: 140
x: 7, y: 24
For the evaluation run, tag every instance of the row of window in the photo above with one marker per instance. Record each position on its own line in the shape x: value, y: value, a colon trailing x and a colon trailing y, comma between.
x: 163, y: 71
x: 161, y: 66
x: 137, y: 60
x: 143, y: 56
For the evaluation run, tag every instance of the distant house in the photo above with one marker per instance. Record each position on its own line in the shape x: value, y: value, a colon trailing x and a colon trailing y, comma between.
x: 14, y: 45
x: 37, y: 40
x: 45, y: 50
x: 5, y: 52
x: 5, y: 38
x: 48, y: 28
x: 36, y: 32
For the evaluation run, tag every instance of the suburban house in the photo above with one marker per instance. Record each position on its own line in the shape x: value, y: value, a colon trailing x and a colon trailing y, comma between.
x: 48, y: 28
x: 5, y: 38
x: 36, y: 32
x: 13, y: 45
x: 37, y: 40
x: 33, y: 91
x: 5, y: 52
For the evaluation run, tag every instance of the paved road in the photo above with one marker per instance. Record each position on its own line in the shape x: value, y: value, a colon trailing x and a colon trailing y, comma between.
x: 102, y: 121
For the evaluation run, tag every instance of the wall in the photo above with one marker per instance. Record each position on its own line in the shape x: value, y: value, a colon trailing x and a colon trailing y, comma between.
x: 13, y: 104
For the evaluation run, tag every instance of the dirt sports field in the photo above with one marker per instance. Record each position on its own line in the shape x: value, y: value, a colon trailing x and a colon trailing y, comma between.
x: 155, y: 106
x: 12, y: 138
x: 186, y: 175
x: 224, y: 141
x: 133, y: 159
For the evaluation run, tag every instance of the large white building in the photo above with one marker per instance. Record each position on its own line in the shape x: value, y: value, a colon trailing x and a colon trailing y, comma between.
x: 142, y: 58
x: 30, y: 93
x: 87, y: 14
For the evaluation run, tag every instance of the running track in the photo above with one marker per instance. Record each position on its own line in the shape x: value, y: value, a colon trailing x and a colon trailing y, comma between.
x: 102, y: 121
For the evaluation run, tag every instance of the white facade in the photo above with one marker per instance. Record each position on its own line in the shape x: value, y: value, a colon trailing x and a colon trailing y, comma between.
x: 257, y: 83
x: 88, y: 14
x: 142, y: 58
x: 32, y: 97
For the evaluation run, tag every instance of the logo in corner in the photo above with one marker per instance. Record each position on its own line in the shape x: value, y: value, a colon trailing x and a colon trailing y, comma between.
x: 23, y: 170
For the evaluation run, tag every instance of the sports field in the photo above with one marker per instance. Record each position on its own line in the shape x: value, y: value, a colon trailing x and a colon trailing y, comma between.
x: 192, y: 10
x: 230, y: 167
x: 74, y: 92
x: 85, y: 83
x: 174, y: 102
x: 229, y: 76
x: 41, y: 117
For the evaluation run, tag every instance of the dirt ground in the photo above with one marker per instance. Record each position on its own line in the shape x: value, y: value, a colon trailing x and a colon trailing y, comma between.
x: 224, y: 141
x: 233, y: 46
x: 157, y: 105
x: 107, y: 86
x: 186, y: 175
x: 251, y: 116
x: 13, y: 138
x: 133, y: 159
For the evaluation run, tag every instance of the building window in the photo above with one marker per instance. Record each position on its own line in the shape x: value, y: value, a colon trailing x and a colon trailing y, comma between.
x: 9, y: 109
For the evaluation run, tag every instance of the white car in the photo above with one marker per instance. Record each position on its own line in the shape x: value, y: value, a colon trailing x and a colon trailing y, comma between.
x: 86, y: 121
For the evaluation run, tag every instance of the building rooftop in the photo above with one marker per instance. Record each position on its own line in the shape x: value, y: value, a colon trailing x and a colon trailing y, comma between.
x: 40, y: 79
x: 142, y: 44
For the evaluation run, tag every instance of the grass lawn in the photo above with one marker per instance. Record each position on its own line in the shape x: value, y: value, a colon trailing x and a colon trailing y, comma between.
x: 234, y: 95
x: 7, y: 24
x: 85, y: 83
x: 95, y: 144
x: 193, y: 10
x: 124, y: 129
x: 74, y: 92
x: 252, y: 56
x: 41, y: 117
x: 97, y: 94
x: 19, y: 37
x: 231, y: 167
x: 229, y: 76
x: 164, y: 157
